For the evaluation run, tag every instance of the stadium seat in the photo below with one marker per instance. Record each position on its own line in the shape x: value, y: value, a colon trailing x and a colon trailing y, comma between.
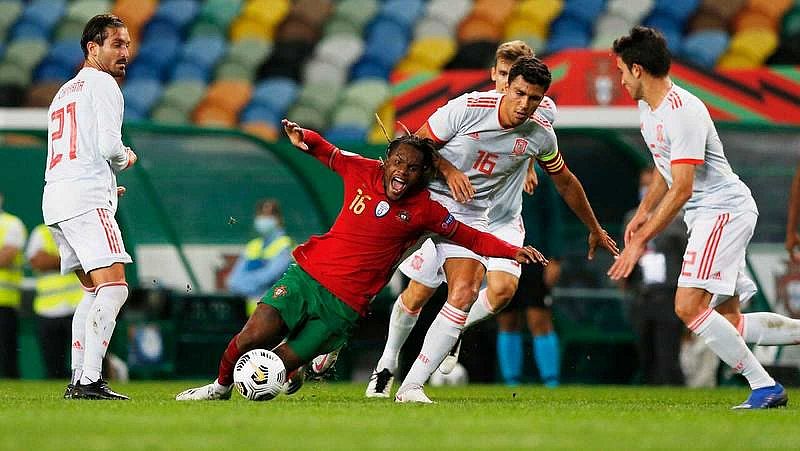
x: 356, y: 12
x: 342, y: 26
x: 308, y: 116
x: 750, y: 19
x: 706, y: 20
x: 29, y: 30
x: 322, y: 71
x: 341, y: 50
x: 232, y: 70
x: 725, y: 9
x: 249, y: 53
x: 159, y: 50
x: 346, y: 134
x: 774, y: 9
x: 205, y: 28
x: 169, y: 115
x: 294, y: 29
x: 268, y: 13
x: 321, y: 96
x: 450, y: 12
x: 312, y: 12
x: 250, y: 29
x: 210, y: 115
x: 276, y: 93
x: 220, y: 12
x: 680, y: 10
x: 496, y: 12
x: 355, y: 115
x: 368, y: 68
x: 13, y: 75
x: 204, y: 50
x: 569, y: 31
x: 433, y: 27
x: 229, y: 95
x: 286, y: 60
x: 749, y: 48
x: 83, y: 10
x: 541, y: 13
x: 432, y: 52
x: 520, y: 26
x: 179, y: 13
x: 190, y: 70
x: 670, y: 27
x: 183, y: 95
x: 133, y: 114
x: 135, y: 13
x: 404, y: 12
x: 369, y: 94
x: 44, y: 13
x: 260, y: 113
x: 791, y: 23
x: 141, y: 94
x: 477, y: 28
x: 586, y: 11
x: 67, y: 52
x: 26, y: 54
x: 51, y: 70
x: 704, y: 48
x: 634, y: 12
x: 9, y: 12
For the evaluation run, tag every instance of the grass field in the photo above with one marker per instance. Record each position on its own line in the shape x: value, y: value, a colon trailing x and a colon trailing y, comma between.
x: 336, y: 416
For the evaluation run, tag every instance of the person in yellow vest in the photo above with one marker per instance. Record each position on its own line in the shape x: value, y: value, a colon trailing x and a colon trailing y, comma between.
x: 12, y: 241
x: 265, y: 258
x: 57, y: 296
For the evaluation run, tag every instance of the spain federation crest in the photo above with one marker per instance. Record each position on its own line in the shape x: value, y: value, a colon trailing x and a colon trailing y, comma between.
x: 519, y: 146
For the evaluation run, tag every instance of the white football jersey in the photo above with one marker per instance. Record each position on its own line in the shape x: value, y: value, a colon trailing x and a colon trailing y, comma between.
x: 488, y: 154
x: 507, y: 203
x: 84, y: 147
x: 680, y: 130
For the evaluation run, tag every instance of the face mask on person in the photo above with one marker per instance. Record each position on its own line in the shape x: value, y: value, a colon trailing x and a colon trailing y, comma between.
x: 265, y: 225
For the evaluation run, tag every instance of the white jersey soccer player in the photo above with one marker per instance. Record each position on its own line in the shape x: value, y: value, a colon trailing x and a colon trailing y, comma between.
x: 720, y: 213
x: 85, y: 152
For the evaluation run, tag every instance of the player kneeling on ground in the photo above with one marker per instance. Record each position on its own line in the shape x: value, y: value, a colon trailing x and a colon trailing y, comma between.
x: 314, y: 307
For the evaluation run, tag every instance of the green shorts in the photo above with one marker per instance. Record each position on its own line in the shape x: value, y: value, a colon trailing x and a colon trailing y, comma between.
x: 318, y: 321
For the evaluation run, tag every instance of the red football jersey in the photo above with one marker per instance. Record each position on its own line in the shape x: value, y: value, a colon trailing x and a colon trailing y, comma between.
x: 354, y: 258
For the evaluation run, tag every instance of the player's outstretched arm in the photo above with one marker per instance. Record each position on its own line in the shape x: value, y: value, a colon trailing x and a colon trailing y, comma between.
x: 310, y: 142
x: 573, y: 194
x: 295, y: 134
x: 489, y: 245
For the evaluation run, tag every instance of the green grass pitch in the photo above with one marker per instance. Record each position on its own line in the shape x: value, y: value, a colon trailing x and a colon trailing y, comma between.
x: 328, y: 416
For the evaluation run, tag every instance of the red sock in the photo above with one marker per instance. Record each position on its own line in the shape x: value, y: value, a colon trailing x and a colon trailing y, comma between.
x: 228, y: 360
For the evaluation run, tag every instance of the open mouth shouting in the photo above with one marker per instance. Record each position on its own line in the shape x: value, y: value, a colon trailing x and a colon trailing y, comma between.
x: 397, y: 186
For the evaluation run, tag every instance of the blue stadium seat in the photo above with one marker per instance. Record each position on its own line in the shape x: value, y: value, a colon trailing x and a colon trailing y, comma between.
x: 586, y: 10
x: 142, y: 69
x: 50, y: 70
x: 705, y: 47
x: 133, y: 114
x: 367, y: 67
x: 405, y: 12
x: 190, y: 70
x: 384, y: 29
x: 346, y: 134
x: 159, y: 51
x: 204, y: 50
x: 678, y: 9
x: 180, y: 13
x: 257, y: 112
x: 387, y: 42
x: 159, y: 28
x: 44, y: 13
x: 29, y: 30
x: 567, y: 32
x: 279, y: 93
x: 67, y: 52
x: 142, y: 94
x: 670, y: 27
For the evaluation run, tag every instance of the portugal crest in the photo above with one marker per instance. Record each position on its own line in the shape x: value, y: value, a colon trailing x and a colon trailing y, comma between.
x: 279, y: 291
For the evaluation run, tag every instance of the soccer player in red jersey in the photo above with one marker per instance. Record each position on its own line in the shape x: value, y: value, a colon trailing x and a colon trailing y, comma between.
x: 316, y: 304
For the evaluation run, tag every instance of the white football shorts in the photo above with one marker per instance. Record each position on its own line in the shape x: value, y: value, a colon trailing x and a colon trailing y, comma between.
x: 715, y: 255
x: 424, y: 265
x: 512, y: 232
x: 89, y: 241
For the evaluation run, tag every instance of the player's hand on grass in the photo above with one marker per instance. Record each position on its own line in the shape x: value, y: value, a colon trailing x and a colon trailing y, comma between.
x: 530, y: 254
x: 793, y: 246
x: 625, y: 262
x: 295, y: 134
x: 603, y: 239
x: 531, y: 180
x: 121, y: 191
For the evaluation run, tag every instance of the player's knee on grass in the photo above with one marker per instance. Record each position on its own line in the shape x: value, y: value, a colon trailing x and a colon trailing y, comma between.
x: 264, y: 329
x: 416, y: 295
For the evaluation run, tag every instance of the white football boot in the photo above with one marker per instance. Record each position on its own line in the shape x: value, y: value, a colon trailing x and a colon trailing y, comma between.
x: 322, y: 364
x: 210, y: 392
x: 380, y: 384
x: 449, y: 362
x: 412, y: 394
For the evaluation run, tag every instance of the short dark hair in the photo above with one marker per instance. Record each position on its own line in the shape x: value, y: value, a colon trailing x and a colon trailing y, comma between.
x: 96, y: 30
x: 646, y: 47
x: 532, y: 70
x: 423, y: 145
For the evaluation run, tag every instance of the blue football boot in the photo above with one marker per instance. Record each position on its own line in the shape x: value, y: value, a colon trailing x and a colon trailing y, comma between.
x: 765, y: 398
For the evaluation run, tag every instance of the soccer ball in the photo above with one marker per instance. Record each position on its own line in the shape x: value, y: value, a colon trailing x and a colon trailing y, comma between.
x: 259, y: 375
x: 456, y: 377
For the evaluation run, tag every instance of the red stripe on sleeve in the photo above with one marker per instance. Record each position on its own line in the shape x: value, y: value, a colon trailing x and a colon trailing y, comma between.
x: 687, y: 161
x: 432, y: 134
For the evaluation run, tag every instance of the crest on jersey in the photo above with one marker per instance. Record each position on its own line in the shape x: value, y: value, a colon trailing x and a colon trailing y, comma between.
x: 417, y: 262
x: 519, y: 146
x: 404, y: 216
x: 279, y: 291
x: 381, y: 209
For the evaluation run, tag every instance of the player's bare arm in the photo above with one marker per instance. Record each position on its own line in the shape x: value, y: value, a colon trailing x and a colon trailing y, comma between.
x: 531, y: 179
x: 655, y: 192
x: 7, y: 255
x: 489, y: 245
x: 573, y: 194
x: 43, y: 261
x: 457, y: 181
x: 792, y: 236
x: 675, y: 198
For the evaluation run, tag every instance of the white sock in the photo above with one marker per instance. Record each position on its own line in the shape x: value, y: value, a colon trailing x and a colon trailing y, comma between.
x: 765, y: 328
x: 100, y: 326
x: 441, y: 337
x: 79, y: 334
x: 720, y: 335
x: 480, y: 310
x: 401, y: 322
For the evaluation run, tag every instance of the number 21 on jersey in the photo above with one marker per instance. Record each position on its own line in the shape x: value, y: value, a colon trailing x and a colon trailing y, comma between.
x: 55, y: 137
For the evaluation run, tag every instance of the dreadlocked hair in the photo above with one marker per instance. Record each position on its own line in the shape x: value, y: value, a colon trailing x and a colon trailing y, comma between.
x: 424, y: 146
